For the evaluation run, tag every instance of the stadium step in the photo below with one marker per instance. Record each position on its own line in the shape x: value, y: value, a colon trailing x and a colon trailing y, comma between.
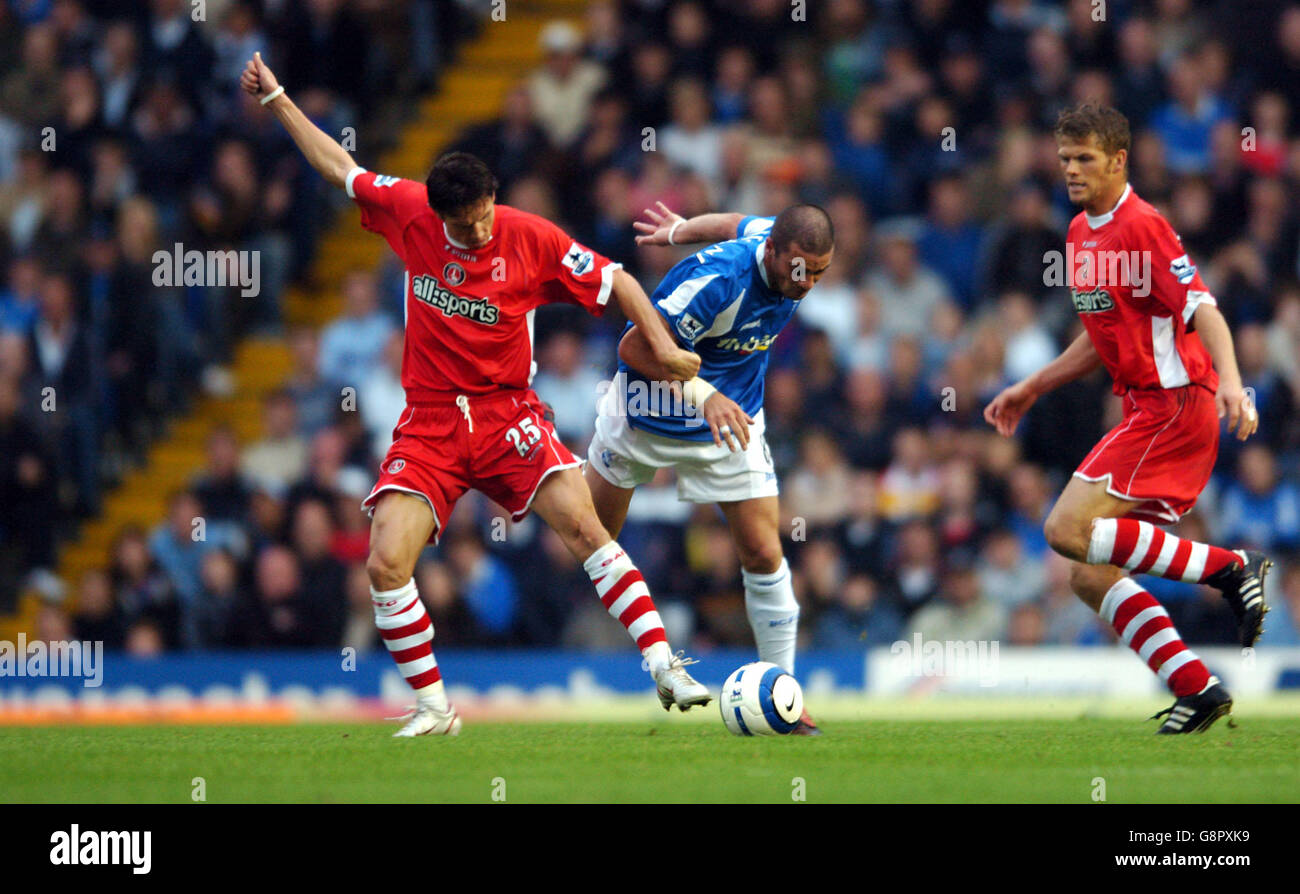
x: 471, y: 91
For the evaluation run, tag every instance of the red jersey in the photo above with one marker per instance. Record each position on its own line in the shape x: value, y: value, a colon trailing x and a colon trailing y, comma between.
x: 469, y: 312
x: 1135, y: 290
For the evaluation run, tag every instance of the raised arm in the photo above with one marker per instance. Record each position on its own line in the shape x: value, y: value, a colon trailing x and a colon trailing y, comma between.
x: 667, y: 227
x: 1079, y: 359
x: 321, y: 150
x: 1231, y: 399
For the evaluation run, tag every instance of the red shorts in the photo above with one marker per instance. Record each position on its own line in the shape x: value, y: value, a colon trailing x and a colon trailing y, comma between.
x: 500, y: 444
x: 1161, y: 454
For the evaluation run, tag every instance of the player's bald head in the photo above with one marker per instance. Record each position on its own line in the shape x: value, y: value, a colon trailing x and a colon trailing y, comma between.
x: 803, y: 227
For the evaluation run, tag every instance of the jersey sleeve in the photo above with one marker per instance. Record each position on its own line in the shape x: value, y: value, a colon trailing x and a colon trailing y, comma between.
x: 693, y: 304
x: 1175, y: 286
x: 569, y: 272
x: 387, y: 204
x: 752, y: 226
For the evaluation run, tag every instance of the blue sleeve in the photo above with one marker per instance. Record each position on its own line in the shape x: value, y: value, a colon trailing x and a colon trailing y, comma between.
x: 692, y: 304
x: 751, y: 225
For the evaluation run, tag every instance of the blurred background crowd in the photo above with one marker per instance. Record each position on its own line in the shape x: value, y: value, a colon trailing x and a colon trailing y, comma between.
x: 924, y: 128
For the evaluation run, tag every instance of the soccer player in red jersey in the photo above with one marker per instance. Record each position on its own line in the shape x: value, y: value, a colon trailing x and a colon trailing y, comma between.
x: 1155, y: 326
x: 475, y: 273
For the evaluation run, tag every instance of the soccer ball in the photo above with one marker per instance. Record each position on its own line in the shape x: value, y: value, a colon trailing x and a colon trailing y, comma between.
x: 761, y: 699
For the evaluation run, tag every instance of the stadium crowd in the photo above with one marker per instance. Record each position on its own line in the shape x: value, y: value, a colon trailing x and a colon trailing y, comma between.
x: 924, y: 128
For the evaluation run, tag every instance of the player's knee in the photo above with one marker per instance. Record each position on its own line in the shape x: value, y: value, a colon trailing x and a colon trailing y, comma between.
x: 1066, y: 535
x: 386, y: 568
x: 760, y: 556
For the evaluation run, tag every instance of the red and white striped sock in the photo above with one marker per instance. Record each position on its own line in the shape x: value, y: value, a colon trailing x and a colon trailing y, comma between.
x: 408, y: 633
x: 625, y: 595
x: 1145, y: 627
x: 1142, y: 548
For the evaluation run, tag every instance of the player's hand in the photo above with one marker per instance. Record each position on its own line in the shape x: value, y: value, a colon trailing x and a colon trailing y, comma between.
x: 656, y: 231
x: 1004, y: 412
x: 727, y: 420
x: 1235, y: 403
x: 680, y: 364
x: 257, y: 79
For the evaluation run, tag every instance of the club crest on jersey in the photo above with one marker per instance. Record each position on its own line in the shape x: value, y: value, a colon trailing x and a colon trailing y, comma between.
x: 431, y: 292
x: 1183, y: 269
x: 396, y: 466
x: 453, y: 273
x: 1092, y: 301
x: 579, y: 259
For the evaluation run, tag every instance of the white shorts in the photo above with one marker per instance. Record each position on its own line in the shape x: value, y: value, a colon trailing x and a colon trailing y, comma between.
x: 706, y: 473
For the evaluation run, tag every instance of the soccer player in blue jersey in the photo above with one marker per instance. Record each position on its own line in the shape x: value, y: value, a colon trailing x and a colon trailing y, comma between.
x: 727, y: 303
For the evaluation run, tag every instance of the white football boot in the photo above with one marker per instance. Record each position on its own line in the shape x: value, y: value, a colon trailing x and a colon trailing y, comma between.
x: 676, y: 687
x: 425, y: 720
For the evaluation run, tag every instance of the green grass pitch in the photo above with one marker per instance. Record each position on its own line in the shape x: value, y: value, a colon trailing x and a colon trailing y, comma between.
x: 680, y: 759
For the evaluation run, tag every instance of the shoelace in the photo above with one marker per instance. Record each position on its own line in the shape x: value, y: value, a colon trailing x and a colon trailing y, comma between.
x: 679, y: 661
x: 463, y: 402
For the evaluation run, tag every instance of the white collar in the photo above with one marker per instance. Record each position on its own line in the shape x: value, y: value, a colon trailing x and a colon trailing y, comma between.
x: 1102, y: 219
x: 462, y: 246
x: 759, y: 254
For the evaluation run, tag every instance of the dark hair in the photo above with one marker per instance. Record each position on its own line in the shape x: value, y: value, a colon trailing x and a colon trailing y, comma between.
x: 459, y: 180
x: 1108, y: 124
x: 806, y: 226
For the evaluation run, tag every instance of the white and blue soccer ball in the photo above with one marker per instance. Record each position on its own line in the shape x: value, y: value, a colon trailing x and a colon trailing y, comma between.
x: 761, y: 699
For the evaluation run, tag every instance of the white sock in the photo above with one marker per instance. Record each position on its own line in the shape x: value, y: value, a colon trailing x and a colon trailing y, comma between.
x: 773, y: 615
x: 657, y: 657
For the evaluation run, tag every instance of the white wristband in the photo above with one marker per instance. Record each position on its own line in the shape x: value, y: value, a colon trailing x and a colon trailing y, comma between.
x: 697, y: 391
x: 273, y: 94
x: 673, y: 229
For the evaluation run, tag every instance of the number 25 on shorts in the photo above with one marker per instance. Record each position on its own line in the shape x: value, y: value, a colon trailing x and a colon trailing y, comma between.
x: 524, y: 435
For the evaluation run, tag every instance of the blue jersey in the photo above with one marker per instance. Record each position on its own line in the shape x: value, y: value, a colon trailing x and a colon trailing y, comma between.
x: 718, y: 304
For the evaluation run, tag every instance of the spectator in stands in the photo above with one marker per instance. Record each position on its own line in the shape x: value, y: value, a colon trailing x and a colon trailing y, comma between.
x: 382, y: 398
x: 140, y: 586
x: 60, y: 349
x: 280, y: 457
x: 512, y: 145
x: 222, y: 488
x: 486, y: 585
x: 178, y: 547
x: 858, y: 619
x: 562, y: 90
x: 1006, y: 574
x: 315, y: 397
x: 323, y: 576
x: 220, y: 597
x: 359, y: 631
x: 916, y: 567
x: 97, y: 617
x: 351, y: 348
x: 961, y: 613
x: 1258, y: 510
x: 908, y: 291
x: 279, y: 615
x: 570, y: 383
